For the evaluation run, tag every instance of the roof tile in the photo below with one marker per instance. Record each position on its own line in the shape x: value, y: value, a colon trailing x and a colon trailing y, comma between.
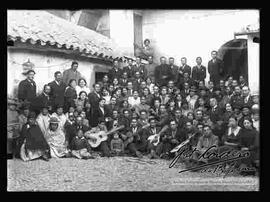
x: 45, y: 28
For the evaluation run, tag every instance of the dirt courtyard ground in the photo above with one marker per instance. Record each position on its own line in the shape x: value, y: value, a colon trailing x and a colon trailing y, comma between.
x: 116, y: 174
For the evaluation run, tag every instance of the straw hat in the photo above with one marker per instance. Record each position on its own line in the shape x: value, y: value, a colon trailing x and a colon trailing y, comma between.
x: 54, y: 120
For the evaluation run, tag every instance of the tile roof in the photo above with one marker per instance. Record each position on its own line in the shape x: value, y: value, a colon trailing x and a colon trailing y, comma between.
x: 41, y: 27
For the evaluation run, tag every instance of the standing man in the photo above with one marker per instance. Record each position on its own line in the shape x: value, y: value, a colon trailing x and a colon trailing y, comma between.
x: 27, y: 88
x: 115, y: 72
x: 174, y: 70
x: 184, y: 68
x: 215, y: 68
x: 72, y: 73
x: 58, y: 88
x: 129, y: 69
x: 199, y: 71
x: 139, y: 67
x: 94, y: 96
x: 162, y: 72
x: 150, y: 67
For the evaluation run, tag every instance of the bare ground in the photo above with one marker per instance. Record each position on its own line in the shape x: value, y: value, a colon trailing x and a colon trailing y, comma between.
x: 115, y: 174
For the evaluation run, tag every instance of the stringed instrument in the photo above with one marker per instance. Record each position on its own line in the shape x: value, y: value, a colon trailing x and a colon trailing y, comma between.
x: 131, y: 138
x: 95, y: 139
x: 182, y: 144
x: 155, y: 139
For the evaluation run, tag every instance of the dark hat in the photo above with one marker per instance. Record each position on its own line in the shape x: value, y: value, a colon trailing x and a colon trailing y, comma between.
x: 152, y: 118
x: 203, y: 88
x: 32, y: 115
x: 54, y: 120
x: 29, y: 71
x: 245, y: 106
x: 193, y: 88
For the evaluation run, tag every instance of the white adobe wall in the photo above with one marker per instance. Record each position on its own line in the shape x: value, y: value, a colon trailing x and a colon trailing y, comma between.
x: 44, y: 74
x: 253, y: 65
x: 193, y: 33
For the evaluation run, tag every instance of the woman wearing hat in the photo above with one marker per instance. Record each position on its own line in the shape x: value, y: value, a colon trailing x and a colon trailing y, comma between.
x: 56, y: 139
x: 34, y: 144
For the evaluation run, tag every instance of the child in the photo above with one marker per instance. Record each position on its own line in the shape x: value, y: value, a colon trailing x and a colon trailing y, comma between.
x: 117, y: 145
x: 80, y: 146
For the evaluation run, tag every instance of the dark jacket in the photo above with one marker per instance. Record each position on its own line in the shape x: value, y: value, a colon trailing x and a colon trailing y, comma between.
x: 141, y: 68
x: 199, y: 74
x: 93, y: 99
x: 114, y: 74
x: 57, y: 93
x: 41, y: 101
x: 174, y: 73
x: 129, y: 70
x: 69, y: 96
x: 27, y: 91
x: 162, y: 74
x: 185, y: 69
x: 215, y: 69
x: 98, y: 114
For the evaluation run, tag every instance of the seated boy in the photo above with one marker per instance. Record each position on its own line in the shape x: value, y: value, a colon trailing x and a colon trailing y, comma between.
x: 80, y: 146
x: 117, y: 145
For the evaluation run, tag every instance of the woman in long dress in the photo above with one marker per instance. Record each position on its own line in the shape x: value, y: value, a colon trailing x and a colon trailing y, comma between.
x: 56, y: 139
x: 33, y: 143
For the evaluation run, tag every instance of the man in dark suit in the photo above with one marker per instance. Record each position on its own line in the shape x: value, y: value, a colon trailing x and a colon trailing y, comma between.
x: 215, y: 112
x: 129, y: 68
x: 139, y: 140
x: 247, y: 99
x: 215, y: 68
x: 27, y: 88
x: 43, y: 99
x: 174, y: 70
x: 137, y: 80
x: 100, y: 113
x: 94, y: 96
x: 184, y: 68
x: 124, y: 80
x: 152, y: 130
x: 139, y: 67
x: 162, y: 73
x: 115, y: 72
x: 170, y: 139
x: 198, y: 71
x: 58, y: 88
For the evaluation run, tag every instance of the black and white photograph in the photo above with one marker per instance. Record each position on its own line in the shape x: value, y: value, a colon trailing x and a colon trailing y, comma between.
x: 133, y: 100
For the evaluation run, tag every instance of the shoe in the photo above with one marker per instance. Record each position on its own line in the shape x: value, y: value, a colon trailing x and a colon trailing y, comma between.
x: 149, y: 156
x: 138, y: 154
x: 155, y: 156
x: 45, y: 158
x: 76, y: 154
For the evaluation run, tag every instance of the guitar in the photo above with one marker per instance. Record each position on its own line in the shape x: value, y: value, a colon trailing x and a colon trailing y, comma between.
x: 96, y: 138
x: 155, y: 139
x: 182, y: 144
x: 131, y: 138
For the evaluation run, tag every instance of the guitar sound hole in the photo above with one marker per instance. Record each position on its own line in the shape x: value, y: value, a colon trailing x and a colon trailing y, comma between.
x: 100, y: 136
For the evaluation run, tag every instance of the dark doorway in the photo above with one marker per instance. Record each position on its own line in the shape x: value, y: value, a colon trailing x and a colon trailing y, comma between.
x: 234, y: 55
x: 99, y: 76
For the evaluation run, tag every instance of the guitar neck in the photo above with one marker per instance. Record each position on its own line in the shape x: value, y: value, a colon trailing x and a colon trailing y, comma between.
x: 114, y: 130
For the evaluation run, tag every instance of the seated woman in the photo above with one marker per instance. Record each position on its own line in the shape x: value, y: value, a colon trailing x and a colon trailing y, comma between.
x: 249, y: 141
x: 56, y: 139
x: 33, y: 144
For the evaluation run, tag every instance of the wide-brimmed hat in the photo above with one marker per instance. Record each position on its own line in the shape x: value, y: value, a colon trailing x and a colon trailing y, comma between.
x: 54, y: 120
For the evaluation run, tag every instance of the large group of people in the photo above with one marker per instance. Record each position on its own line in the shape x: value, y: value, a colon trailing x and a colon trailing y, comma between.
x: 172, y: 104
